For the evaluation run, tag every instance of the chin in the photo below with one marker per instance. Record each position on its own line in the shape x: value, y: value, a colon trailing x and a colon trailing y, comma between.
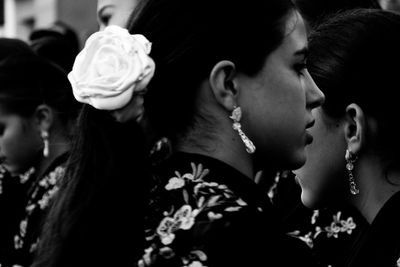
x: 11, y: 170
x: 307, y: 201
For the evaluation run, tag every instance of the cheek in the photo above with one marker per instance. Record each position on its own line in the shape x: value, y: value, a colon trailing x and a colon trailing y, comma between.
x: 321, y: 177
x: 121, y: 15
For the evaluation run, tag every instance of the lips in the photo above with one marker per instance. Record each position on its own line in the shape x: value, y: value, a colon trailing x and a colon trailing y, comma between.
x: 309, y: 138
x: 310, y: 124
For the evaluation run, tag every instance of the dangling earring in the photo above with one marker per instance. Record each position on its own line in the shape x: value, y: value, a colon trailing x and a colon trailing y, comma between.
x: 350, y: 160
x: 45, y: 136
x: 236, y: 116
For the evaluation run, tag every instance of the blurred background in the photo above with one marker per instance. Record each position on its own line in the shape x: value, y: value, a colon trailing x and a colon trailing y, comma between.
x: 18, y: 18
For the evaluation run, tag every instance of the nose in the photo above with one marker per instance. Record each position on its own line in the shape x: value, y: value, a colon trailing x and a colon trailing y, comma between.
x: 314, y: 96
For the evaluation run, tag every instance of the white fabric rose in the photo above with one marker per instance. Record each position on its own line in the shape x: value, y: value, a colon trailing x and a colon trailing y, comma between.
x: 111, y: 67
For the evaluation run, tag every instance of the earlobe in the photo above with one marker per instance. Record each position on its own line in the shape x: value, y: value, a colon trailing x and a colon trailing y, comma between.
x: 223, y: 84
x: 355, y: 127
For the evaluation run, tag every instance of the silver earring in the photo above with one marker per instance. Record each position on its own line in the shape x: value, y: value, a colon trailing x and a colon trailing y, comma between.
x: 350, y: 160
x: 236, y: 116
x: 45, y: 136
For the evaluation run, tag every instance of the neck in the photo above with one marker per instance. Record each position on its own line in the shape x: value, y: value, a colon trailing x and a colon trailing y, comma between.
x: 57, y: 146
x: 376, y: 187
x: 232, y: 152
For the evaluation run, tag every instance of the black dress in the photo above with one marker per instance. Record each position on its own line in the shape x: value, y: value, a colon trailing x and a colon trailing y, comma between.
x: 330, y: 232
x: 12, y: 202
x: 206, y: 213
x: 28, y: 214
x: 379, y: 244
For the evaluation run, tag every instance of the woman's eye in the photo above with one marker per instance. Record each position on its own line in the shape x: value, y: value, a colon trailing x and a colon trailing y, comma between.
x: 300, y: 67
x: 105, y: 19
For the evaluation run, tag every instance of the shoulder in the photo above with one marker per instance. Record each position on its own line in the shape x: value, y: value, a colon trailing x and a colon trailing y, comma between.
x: 202, y: 222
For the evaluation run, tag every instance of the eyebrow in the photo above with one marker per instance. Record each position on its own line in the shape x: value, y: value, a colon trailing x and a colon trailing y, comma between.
x: 100, y: 11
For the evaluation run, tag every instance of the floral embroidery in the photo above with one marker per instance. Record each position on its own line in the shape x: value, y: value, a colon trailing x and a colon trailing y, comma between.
x: 332, y: 230
x: 23, y: 178
x: 398, y: 263
x: 43, y: 192
x: 2, y: 173
x: 183, y: 219
x: 175, y: 183
x: 194, y: 200
x: 273, y: 189
x: 196, y: 264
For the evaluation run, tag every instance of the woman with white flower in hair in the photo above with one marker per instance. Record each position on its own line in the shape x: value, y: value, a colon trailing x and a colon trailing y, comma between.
x: 114, y: 12
x: 228, y: 85
x: 100, y: 205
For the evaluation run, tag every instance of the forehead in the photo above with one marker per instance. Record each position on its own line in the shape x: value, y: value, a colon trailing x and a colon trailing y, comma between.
x: 295, y: 34
x: 103, y: 3
x: 115, y: 3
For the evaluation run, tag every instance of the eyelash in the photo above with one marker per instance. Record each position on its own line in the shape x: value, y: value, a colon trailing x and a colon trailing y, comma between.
x: 300, y: 67
x: 105, y: 19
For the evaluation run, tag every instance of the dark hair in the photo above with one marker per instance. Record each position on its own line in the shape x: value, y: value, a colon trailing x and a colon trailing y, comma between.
x: 354, y: 59
x: 107, y: 174
x: 58, y: 43
x: 314, y: 11
x: 190, y: 37
x: 27, y: 80
x: 97, y: 216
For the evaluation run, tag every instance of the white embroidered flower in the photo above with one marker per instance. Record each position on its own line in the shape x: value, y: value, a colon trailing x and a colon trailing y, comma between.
x: 23, y: 178
x: 18, y: 243
x: 175, y: 183
x: 196, y: 264
x: 307, y: 239
x: 147, y: 255
x: 44, y: 202
x: 332, y: 230
x: 188, y: 176
x: 398, y: 263
x: 214, y: 216
x: 199, y: 254
x: 314, y: 216
x: 198, y: 172
x: 167, y: 252
x: 233, y: 209
x: 22, y: 227
x: 347, y: 225
x: 336, y: 218
x: 165, y: 230
x: 185, y: 217
x: 112, y: 66
x: 318, y: 230
x: 241, y: 202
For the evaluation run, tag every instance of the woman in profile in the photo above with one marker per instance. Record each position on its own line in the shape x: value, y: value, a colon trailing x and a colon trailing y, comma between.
x: 231, y: 91
x: 37, y: 120
x: 354, y: 157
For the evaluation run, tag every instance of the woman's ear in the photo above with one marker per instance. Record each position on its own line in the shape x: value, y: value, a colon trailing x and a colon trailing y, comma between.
x: 355, y: 128
x: 223, y: 84
x: 44, y: 117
